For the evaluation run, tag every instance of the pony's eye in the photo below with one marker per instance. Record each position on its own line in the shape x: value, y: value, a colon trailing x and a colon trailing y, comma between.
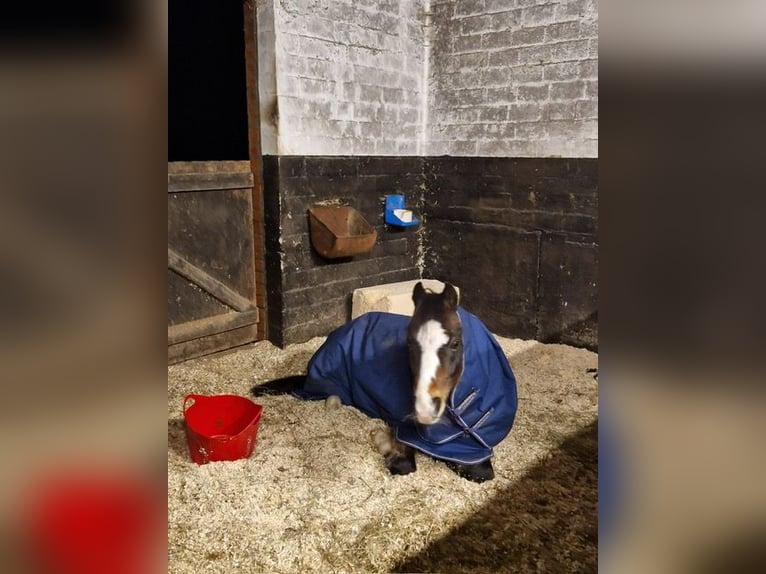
x: 454, y: 343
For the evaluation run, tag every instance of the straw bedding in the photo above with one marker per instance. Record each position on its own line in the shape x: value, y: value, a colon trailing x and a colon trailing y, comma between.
x: 316, y: 497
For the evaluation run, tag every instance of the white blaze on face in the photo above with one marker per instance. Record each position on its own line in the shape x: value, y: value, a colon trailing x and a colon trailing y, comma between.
x: 431, y: 337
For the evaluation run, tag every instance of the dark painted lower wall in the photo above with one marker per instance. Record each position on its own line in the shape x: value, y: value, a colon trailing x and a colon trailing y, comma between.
x: 308, y: 295
x: 518, y: 236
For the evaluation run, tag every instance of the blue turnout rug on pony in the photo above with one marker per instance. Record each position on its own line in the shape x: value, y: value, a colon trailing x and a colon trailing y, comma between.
x: 365, y: 363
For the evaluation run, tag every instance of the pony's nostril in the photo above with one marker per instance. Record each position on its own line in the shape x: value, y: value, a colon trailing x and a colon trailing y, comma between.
x: 437, y: 402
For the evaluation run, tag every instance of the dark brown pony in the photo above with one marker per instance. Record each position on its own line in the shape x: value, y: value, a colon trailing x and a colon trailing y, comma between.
x: 435, y: 342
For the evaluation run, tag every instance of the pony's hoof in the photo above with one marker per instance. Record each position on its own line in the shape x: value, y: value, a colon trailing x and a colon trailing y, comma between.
x: 401, y: 465
x: 400, y: 458
x: 480, y: 472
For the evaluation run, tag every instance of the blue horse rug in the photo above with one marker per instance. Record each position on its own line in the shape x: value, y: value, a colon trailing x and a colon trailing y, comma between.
x: 366, y: 363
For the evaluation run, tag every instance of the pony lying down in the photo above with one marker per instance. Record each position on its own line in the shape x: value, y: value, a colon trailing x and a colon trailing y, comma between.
x: 439, y: 380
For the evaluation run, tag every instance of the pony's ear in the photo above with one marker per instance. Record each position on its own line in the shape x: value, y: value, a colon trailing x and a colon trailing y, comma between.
x: 450, y: 295
x: 417, y: 293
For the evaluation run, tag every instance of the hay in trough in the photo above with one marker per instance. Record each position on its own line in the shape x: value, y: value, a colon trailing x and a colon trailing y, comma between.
x: 316, y: 496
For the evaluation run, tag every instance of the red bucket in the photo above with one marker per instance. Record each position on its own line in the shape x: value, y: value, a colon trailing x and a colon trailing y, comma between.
x: 221, y: 427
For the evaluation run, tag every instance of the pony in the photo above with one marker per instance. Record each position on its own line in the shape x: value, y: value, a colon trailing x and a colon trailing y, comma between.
x: 438, y: 379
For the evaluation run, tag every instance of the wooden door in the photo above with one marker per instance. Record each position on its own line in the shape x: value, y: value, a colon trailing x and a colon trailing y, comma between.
x: 211, y: 275
x: 215, y: 216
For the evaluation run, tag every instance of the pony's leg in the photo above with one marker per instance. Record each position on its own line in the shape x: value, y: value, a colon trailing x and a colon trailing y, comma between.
x: 480, y: 472
x: 400, y: 458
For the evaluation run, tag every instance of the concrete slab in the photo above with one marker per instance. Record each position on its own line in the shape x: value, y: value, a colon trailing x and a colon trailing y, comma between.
x: 391, y: 297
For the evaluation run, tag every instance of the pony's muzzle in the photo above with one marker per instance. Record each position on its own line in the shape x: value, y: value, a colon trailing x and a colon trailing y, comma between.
x: 430, y: 415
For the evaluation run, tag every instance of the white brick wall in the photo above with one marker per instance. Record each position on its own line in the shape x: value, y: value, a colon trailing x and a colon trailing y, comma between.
x: 349, y: 75
x: 504, y: 77
x: 514, y: 78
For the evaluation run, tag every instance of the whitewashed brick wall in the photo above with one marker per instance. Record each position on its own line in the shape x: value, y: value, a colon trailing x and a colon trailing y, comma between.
x: 514, y: 78
x: 348, y: 74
